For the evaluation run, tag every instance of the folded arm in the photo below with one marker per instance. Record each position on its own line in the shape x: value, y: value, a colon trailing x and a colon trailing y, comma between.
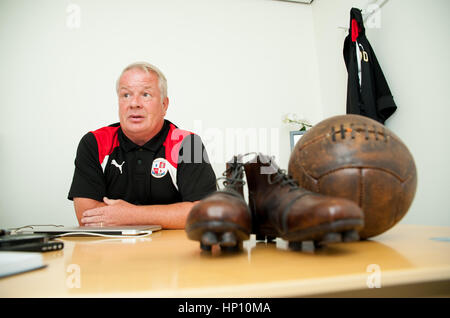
x: 119, y: 212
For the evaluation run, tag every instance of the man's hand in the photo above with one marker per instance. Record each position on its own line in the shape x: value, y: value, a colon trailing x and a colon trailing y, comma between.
x: 115, y: 213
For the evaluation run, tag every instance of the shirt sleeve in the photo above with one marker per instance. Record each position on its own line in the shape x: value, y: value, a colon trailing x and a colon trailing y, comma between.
x: 88, y: 179
x: 195, y: 177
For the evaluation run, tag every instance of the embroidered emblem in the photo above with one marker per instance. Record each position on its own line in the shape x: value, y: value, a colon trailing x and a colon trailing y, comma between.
x: 159, y: 167
x: 114, y: 163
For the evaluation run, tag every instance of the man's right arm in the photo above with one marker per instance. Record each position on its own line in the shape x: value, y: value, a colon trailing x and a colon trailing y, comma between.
x: 84, y: 204
x: 88, y: 185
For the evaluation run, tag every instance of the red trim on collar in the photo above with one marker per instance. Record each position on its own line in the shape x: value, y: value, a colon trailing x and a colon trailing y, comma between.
x: 355, y: 30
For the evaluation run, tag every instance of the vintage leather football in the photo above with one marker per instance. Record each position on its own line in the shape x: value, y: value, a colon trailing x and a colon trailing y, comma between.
x: 357, y: 158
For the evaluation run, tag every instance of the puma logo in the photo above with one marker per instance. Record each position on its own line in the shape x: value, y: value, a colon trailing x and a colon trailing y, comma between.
x: 114, y: 162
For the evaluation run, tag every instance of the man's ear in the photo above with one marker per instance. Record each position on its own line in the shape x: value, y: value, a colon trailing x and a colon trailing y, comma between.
x: 165, y: 104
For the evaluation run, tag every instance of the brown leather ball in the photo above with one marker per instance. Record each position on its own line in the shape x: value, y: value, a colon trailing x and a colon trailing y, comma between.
x: 357, y: 158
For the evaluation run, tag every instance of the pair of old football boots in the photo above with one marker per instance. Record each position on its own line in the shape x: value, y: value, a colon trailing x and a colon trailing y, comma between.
x: 277, y: 207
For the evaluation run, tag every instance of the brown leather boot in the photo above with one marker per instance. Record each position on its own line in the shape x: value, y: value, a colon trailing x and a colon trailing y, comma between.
x: 282, y: 209
x: 223, y: 217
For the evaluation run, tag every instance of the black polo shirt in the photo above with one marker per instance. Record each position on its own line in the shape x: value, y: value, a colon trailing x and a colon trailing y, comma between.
x: 172, y: 167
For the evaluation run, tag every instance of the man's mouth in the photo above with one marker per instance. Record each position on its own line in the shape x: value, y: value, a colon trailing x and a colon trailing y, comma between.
x: 135, y: 118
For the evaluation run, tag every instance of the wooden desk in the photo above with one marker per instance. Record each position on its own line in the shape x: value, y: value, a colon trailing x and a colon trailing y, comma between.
x: 167, y: 264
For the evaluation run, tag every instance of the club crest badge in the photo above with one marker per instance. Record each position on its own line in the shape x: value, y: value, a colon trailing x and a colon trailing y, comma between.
x: 159, y: 167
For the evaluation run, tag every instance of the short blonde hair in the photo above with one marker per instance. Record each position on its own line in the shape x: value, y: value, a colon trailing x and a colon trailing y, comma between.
x: 147, y: 67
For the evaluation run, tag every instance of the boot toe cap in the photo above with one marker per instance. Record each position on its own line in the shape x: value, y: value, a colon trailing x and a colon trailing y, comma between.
x: 324, y: 210
x: 219, y: 210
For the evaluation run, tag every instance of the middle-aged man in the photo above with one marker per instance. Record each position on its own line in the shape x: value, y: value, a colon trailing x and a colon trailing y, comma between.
x: 143, y: 170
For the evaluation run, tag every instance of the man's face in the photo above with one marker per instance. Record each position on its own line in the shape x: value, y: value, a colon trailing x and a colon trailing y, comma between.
x: 141, y: 112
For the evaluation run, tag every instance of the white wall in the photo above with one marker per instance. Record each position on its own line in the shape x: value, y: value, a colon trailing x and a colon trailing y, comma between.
x: 412, y: 48
x: 229, y: 63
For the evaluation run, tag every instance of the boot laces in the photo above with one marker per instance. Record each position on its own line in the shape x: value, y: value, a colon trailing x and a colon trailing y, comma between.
x: 235, y: 179
x: 283, y: 179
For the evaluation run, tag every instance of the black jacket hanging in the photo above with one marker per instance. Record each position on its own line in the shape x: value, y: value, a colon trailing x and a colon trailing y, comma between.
x: 368, y: 93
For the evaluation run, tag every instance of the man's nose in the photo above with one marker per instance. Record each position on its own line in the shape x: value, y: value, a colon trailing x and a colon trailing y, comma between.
x: 135, y: 102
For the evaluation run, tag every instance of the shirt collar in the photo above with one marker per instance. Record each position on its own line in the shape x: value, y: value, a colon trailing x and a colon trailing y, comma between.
x: 153, y: 144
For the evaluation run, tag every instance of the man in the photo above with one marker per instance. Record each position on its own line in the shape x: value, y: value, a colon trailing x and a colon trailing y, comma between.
x: 143, y: 170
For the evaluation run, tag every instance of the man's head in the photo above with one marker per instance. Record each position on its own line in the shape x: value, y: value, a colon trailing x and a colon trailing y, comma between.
x: 143, y: 101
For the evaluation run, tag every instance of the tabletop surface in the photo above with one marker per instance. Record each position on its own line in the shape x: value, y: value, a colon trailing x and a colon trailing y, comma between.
x: 167, y: 264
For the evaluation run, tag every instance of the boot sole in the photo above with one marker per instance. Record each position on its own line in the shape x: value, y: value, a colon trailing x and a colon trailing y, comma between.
x: 323, y: 234
x: 226, y: 234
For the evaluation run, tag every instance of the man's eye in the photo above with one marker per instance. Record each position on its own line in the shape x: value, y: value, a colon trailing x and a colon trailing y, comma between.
x: 126, y: 95
x: 147, y: 95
